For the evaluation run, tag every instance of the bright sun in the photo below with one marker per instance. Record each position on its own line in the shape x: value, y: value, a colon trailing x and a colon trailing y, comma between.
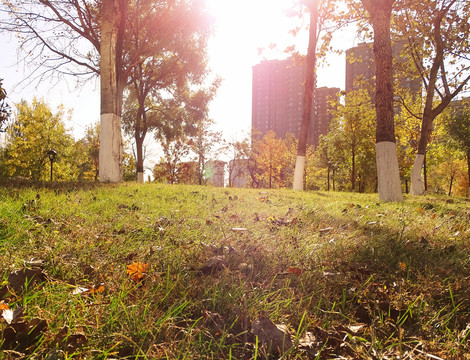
x: 242, y: 28
x: 245, y: 26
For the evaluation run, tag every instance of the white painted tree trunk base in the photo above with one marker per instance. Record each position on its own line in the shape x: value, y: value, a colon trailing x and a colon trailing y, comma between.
x: 110, y: 156
x: 140, y: 177
x: 299, y: 173
x: 388, y: 173
x: 417, y: 183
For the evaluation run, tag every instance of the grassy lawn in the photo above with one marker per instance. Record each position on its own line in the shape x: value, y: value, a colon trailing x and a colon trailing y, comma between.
x: 185, y: 272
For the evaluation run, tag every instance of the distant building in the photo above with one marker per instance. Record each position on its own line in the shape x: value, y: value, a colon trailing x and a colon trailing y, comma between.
x: 238, y: 173
x: 325, y: 104
x: 360, y: 66
x: 277, y: 99
x: 214, y: 172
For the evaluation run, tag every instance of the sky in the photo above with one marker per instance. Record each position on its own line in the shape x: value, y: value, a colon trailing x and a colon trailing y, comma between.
x: 242, y: 28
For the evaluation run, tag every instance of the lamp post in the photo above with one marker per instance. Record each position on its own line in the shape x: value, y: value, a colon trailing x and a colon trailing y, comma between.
x: 51, y: 153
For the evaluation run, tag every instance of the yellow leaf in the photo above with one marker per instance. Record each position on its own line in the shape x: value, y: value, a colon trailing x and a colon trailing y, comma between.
x: 137, y: 271
x: 402, y: 266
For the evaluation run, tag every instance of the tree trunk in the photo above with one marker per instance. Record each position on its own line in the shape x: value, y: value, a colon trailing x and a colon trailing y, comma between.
x: 417, y: 183
x: 110, y: 155
x: 270, y: 175
x: 334, y: 177
x: 299, y: 171
x: 450, y: 185
x: 468, y: 172
x: 328, y: 179
x: 388, y: 174
x: 140, y: 131
x: 139, y: 140
x: 353, y: 170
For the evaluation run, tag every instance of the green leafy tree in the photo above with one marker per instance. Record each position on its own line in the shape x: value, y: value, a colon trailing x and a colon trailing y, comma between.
x: 408, y: 123
x: 177, y: 64
x: 87, y: 38
x: 436, y: 33
x: 458, y: 127
x: 34, y: 131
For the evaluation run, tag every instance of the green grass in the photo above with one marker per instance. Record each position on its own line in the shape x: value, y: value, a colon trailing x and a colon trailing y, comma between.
x: 377, y: 280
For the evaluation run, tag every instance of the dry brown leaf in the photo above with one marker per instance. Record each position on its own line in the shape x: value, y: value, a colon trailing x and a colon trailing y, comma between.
x: 137, y: 271
x: 270, y: 335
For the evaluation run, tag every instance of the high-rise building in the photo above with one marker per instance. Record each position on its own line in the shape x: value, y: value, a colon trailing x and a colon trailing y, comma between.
x: 360, y: 66
x: 277, y: 99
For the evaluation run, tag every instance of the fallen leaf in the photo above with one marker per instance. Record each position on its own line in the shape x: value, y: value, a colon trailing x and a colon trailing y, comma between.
x: 294, y: 270
x: 3, y: 306
x: 325, y: 230
x: 21, y: 335
x: 237, y: 229
x: 13, y: 316
x: 94, y: 289
x: 137, y: 271
x: 270, y: 335
x: 19, y: 279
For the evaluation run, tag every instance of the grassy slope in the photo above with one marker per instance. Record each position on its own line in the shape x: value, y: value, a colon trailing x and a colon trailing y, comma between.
x: 318, y: 263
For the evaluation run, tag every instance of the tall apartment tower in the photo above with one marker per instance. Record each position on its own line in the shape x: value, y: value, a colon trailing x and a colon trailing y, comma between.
x: 360, y: 65
x: 277, y: 99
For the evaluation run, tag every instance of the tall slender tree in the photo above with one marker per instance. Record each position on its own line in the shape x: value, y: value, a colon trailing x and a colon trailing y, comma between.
x: 388, y: 174
x: 309, y: 89
x: 436, y: 33
x: 110, y: 156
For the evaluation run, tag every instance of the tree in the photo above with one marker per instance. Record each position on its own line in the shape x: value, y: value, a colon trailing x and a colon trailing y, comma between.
x: 407, y: 126
x: 34, y: 131
x: 458, y: 126
x: 239, y: 151
x: 388, y: 174
x: 270, y: 155
x: 175, y: 149
x: 298, y: 183
x: 437, y: 35
x: 88, y: 150
x: 4, y: 107
x: 64, y: 38
x: 320, y: 12
x: 205, y: 144
x: 111, y: 147
x: 352, y: 130
x: 177, y: 62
